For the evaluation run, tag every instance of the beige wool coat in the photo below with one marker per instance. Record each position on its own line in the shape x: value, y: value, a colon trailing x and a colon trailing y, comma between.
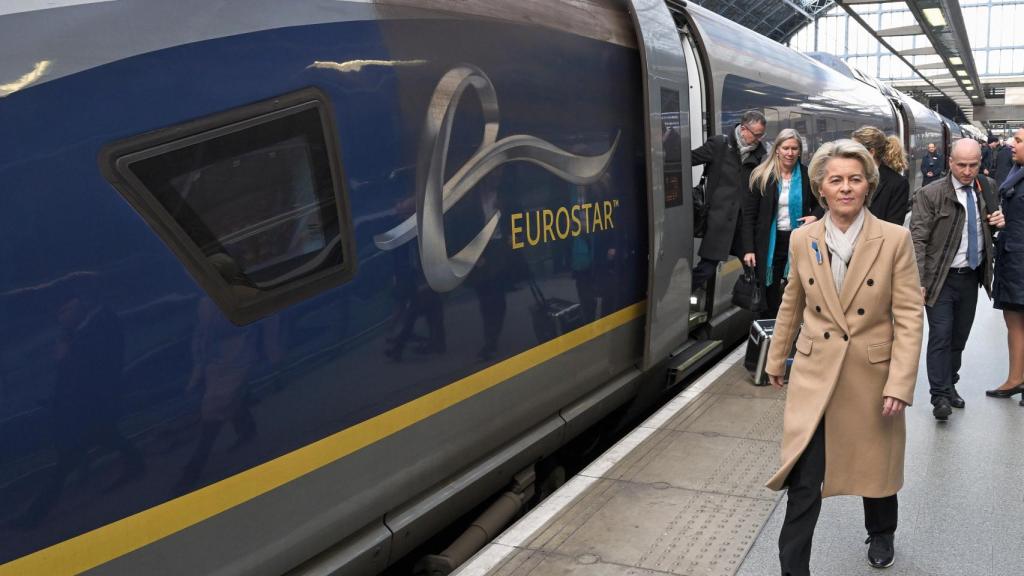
x: 854, y: 348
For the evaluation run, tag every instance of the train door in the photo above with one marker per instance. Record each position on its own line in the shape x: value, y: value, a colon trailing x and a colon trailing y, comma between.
x: 670, y: 210
x: 700, y: 131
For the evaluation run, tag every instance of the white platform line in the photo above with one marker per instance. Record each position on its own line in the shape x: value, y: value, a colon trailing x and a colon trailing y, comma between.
x: 520, y: 532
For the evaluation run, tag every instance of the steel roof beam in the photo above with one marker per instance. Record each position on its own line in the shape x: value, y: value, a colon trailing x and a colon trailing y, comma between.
x: 901, y: 31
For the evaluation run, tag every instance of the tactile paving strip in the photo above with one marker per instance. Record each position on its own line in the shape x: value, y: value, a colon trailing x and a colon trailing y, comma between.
x: 686, y: 501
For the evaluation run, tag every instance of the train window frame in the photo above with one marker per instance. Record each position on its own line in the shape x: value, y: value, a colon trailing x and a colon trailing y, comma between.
x: 115, y: 162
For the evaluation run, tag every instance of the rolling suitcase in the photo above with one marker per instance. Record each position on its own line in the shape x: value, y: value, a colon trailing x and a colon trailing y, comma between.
x: 761, y: 332
x: 757, y: 349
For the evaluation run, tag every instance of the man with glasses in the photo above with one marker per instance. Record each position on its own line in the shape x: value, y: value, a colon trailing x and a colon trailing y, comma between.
x: 730, y: 159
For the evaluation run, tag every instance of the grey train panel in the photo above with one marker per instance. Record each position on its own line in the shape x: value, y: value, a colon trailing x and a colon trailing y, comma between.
x: 669, y: 211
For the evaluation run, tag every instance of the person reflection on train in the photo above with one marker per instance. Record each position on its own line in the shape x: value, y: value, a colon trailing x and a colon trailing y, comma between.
x: 891, y: 199
x: 779, y: 202
x: 223, y: 356
x: 489, y: 278
x: 581, y: 262
x: 413, y: 299
x: 87, y: 393
x: 853, y: 285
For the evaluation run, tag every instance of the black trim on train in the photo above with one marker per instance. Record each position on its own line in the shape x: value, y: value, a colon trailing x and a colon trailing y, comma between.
x: 148, y: 170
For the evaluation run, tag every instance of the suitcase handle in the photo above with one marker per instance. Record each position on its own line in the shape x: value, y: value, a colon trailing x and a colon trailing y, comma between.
x: 535, y: 291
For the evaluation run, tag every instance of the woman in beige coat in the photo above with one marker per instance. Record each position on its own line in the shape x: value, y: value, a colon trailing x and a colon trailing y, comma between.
x: 853, y: 285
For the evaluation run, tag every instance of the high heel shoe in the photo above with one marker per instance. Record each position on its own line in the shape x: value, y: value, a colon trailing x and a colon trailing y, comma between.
x: 1008, y: 393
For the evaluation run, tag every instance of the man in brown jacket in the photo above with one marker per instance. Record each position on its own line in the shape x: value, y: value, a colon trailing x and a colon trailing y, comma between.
x: 952, y: 225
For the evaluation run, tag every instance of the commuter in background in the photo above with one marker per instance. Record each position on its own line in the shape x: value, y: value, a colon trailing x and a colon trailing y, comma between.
x: 891, y: 199
x: 780, y: 201
x: 1008, y: 287
x: 988, y: 157
x: 730, y: 158
x: 854, y: 288
x: 952, y: 228
x: 932, y: 165
x: 1004, y: 161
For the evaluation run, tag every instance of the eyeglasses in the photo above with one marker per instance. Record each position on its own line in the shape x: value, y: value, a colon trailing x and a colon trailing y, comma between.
x: 756, y: 135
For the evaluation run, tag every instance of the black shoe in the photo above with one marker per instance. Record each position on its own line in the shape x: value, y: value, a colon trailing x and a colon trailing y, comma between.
x: 882, y: 550
x: 942, y: 409
x: 956, y: 401
x: 1008, y: 393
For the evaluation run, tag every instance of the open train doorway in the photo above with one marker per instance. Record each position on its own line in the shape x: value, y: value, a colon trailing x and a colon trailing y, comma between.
x: 699, y: 129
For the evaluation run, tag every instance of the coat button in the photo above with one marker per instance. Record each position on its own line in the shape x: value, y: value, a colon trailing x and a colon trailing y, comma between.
x: 846, y: 338
x: 860, y: 311
x: 817, y: 308
x: 871, y: 282
x: 827, y: 335
x: 811, y: 281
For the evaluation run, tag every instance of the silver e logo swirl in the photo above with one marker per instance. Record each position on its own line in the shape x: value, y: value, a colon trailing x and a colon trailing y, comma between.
x: 434, y: 196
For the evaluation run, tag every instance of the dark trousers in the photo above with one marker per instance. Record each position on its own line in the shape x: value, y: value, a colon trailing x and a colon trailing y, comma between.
x: 804, y: 504
x: 949, y: 325
x: 703, y: 272
x: 777, y: 287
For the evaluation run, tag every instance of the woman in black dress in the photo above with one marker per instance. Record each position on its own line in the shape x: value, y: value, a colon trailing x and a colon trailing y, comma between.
x: 891, y: 199
x: 780, y: 200
x: 1008, y: 287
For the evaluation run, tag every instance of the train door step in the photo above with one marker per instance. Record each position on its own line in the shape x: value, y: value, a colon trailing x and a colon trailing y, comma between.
x: 698, y: 318
x: 689, y: 358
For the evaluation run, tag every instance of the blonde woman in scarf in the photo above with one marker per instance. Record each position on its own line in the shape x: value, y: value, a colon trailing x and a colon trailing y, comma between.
x: 779, y: 202
x: 853, y: 285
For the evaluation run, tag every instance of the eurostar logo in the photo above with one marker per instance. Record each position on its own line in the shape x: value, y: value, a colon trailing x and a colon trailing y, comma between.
x: 434, y: 196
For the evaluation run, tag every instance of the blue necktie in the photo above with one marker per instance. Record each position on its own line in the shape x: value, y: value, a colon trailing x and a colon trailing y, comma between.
x: 972, y: 230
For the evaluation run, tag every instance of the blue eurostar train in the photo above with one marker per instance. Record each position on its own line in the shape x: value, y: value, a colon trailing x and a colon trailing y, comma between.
x: 289, y: 286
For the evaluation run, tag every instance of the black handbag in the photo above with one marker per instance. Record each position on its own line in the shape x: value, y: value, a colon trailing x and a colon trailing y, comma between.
x: 748, y: 293
x: 700, y: 207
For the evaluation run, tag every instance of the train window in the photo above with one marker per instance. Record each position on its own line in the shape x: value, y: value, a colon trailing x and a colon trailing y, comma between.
x: 772, y: 116
x: 251, y: 201
x: 798, y: 122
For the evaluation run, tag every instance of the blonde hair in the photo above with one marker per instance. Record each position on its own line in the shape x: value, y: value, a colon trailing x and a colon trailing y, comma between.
x: 895, y: 157
x: 841, y: 149
x: 770, y: 166
x: 884, y: 149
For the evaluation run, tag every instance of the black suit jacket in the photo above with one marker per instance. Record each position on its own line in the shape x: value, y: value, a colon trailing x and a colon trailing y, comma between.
x: 1004, y: 163
x: 727, y: 189
x: 892, y: 197
x: 760, y: 208
x: 934, y: 163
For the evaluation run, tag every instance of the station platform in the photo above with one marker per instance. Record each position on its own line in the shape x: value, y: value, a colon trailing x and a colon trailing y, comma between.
x: 684, y: 494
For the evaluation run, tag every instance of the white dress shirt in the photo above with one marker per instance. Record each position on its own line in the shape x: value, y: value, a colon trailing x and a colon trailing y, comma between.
x: 960, y: 258
x: 782, y: 215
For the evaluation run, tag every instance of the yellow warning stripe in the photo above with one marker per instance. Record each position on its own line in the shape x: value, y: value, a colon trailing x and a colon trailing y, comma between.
x: 118, y: 538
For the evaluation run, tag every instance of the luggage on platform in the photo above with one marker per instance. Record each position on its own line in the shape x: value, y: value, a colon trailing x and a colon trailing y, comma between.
x: 760, y: 339
x: 757, y: 349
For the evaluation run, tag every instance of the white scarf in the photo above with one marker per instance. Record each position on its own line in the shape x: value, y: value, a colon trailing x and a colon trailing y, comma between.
x: 840, y: 245
x: 745, y: 149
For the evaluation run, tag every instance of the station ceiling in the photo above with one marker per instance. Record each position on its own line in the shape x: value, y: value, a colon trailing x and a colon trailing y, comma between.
x: 776, y: 19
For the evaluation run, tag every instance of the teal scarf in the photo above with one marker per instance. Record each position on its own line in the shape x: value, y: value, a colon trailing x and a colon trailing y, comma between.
x: 796, y: 212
